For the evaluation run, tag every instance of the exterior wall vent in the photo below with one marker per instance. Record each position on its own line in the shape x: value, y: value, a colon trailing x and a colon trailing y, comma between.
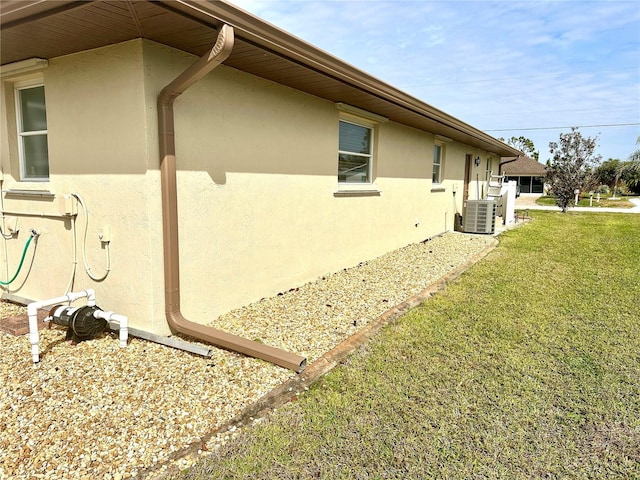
x: 480, y: 216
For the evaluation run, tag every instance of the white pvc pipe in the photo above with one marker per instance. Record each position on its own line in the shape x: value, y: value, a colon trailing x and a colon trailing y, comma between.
x: 90, y: 294
x: 120, y: 320
x: 32, y: 311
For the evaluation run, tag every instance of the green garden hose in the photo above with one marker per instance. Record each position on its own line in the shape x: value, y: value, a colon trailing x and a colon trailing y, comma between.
x: 24, y: 253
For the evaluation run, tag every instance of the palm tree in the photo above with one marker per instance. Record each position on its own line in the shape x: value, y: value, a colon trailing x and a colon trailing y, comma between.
x: 632, y: 166
x: 628, y: 168
x: 634, y: 158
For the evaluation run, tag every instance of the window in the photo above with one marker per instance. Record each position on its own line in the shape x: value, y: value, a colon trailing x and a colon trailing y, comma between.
x: 525, y: 184
x: 437, y: 163
x: 32, y: 132
x: 355, y: 153
x: 537, y: 185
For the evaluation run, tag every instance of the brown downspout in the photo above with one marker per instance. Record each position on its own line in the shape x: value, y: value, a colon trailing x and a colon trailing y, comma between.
x: 166, y: 133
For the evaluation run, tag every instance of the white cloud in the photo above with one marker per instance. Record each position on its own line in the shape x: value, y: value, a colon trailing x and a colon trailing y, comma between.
x: 492, y: 64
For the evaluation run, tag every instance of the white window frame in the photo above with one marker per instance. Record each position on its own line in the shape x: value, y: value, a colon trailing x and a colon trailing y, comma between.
x: 370, y: 156
x: 17, y: 87
x: 439, y: 163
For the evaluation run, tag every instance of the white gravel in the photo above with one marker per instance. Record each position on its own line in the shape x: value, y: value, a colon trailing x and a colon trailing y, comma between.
x: 96, y: 411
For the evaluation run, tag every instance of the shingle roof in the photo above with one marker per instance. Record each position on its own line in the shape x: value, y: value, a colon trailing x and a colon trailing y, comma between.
x: 522, y: 166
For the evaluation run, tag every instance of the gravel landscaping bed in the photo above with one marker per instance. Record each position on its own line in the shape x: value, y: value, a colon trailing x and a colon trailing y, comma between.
x: 97, y: 411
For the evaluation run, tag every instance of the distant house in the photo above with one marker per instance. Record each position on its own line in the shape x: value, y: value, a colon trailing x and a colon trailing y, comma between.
x: 529, y: 173
x: 280, y: 165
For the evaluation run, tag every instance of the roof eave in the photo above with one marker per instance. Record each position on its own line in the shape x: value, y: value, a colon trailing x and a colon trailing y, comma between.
x: 269, y: 37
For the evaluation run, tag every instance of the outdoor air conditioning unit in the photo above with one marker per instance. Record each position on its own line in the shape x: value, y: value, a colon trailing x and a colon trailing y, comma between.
x: 480, y: 216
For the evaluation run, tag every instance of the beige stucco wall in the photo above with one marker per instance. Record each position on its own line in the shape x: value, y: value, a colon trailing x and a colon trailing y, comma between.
x: 97, y: 134
x: 259, y: 203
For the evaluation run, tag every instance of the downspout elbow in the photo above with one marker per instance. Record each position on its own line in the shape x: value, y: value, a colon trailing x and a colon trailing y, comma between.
x: 218, y: 54
x: 236, y: 343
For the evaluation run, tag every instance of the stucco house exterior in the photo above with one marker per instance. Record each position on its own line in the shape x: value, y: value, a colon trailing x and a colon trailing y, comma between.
x: 289, y: 163
x: 529, y: 173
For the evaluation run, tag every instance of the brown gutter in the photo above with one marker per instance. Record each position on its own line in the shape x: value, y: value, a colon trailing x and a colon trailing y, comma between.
x: 166, y: 135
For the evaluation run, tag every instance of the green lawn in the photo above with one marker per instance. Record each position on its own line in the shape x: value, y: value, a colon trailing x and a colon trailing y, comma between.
x: 528, y: 366
x: 585, y: 201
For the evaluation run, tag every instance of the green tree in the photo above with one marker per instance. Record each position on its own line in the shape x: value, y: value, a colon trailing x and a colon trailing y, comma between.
x: 608, y: 172
x: 634, y: 159
x: 629, y: 171
x: 523, y: 144
x: 571, y: 167
x: 631, y: 178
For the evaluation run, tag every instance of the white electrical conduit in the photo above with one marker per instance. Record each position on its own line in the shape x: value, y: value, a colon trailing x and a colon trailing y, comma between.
x: 74, y: 242
x: 74, y: 262
x: 33, y: 307
x: 4, y: 224
x: 91, y: 275
x: 4, y: 235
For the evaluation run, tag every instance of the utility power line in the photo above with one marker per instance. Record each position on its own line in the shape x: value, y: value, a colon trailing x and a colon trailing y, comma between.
x: 560, y: 128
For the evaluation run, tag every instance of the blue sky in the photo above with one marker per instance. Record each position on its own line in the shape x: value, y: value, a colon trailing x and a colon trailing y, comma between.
x: 508, y: 68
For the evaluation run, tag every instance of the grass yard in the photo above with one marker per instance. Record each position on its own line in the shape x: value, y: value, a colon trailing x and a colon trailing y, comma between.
x: 528, y: 366
x: 584, y: 201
